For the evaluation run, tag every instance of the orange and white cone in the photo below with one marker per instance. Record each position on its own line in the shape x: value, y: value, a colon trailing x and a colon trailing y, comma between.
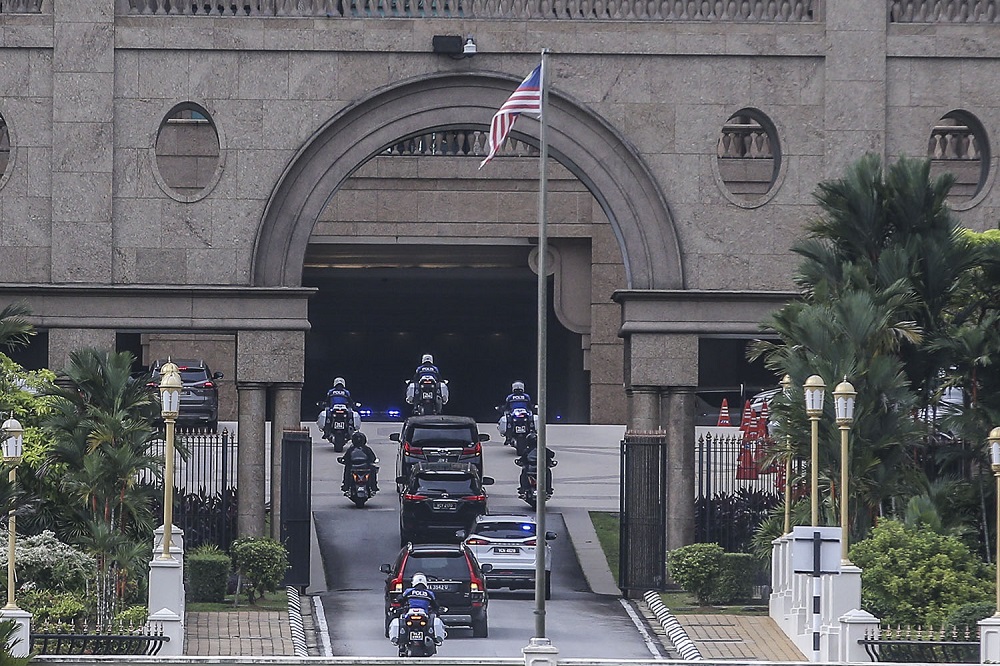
x: 724, y: 414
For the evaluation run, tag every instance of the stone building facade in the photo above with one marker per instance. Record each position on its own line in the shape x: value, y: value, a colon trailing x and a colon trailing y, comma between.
x: 168, y: 166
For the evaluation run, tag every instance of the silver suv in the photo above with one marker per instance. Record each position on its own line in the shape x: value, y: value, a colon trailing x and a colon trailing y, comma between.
x: 199, y: 406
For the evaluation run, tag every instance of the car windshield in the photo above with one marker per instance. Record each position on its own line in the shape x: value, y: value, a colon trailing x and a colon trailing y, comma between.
x: 193, y: 375
x: 437, y: 566
x: 441, y: 436
x: 451, y: 484
x: 505, y: 530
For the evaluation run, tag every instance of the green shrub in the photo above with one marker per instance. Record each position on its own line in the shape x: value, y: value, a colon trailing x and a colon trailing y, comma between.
x: 695, y: 567
x: 207, y: 570
x: 55, y: 611
x: 737, y: 572
x: 133, y: 617
x: 43, y: 561
x: 261, y: 562
x: 967, y: 616
x: 913, y: 576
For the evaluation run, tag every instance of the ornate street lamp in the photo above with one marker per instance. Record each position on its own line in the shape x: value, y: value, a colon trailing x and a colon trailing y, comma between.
x: 786, y: 389
x: 170, y: 401
x: 13, y: 445
x: 843, y: 403
x: 994, y: 440
x: 814, y: 389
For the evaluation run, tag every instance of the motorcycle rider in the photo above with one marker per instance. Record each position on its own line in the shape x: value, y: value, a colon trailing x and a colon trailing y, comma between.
x: 517, y: 399
x: 340, y: 395
x: 359, y: 453
x: 419, y: 596
x: 524, y: 460
x: 426, y: 367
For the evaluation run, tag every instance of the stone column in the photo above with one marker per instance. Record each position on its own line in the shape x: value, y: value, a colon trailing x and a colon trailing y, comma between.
x: 250, y: 459
x: 678, y: 423
x: 286, y: 400
x: 643, y: 408
x: 63, y: 341
x: 83, y: 112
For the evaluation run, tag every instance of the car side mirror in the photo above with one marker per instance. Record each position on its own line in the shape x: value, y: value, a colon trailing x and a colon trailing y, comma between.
x: 553, y: 463
x: 320, y: 403
x: 217, y: 375
x: 385, y: 568
x: 484, y: 437
x: 550, y: 535
x: 486, y: 568
x: 400, y: 479
x: 488, y: 481
x: 519, y: 462
x: 394, y: 436
x: 460, y: 534
x: 340, y: 459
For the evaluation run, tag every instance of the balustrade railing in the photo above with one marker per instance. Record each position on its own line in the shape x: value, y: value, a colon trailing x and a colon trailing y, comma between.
x: 457, y: 143
x: 22, y: 6
x: 953, y: 142
x: 744, y: 141
x: 944, y: 11
x: 751, y: 11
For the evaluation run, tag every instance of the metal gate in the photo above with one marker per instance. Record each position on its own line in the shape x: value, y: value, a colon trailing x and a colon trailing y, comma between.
x: 642, y: 537
x: 204, y: 487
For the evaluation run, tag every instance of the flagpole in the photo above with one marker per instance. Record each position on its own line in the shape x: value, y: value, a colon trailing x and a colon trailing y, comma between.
x: 543, y: 467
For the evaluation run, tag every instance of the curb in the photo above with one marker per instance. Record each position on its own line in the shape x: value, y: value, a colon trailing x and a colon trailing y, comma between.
x: 296, y: 624
x: 675, y: 632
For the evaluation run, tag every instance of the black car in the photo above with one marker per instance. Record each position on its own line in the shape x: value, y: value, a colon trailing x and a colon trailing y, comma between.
x: 439, y: 438
x: 453, y: 574
x: 440, y: 500
x: 199, y: 395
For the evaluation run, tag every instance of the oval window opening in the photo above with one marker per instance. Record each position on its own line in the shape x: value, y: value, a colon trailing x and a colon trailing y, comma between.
x: 958, y: 145
x: 4, y: 147
x: 748, y: 155
x: 187, y: 150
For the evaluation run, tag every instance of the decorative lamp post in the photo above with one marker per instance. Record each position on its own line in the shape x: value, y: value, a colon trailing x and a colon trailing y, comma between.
x: 786, y: 389
x: 13, y: 444
x: 170, y: 399
x: 843, y: 403
x: 995, y: 459
x: 814, y: 391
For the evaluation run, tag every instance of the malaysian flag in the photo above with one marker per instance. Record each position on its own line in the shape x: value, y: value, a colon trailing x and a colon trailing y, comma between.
x: 527, y: 98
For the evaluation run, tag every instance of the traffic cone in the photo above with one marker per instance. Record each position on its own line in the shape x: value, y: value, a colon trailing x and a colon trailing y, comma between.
x: 746, y: 467
x: 724, y: 414
x: 745, y: 419
x: 762, y: 423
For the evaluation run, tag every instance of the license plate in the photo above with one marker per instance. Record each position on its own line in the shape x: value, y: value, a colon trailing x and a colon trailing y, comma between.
x: 446, y: 505
x: 506, y: 550
x: 427, y: 395
x: 416, y: 635
x: 440, y: 587
x: 520, y: 430
x: 337, y: 425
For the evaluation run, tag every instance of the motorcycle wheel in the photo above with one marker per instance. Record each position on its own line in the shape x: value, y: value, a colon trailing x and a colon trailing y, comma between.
x: 338, y: 443
x: 530, y: 500
x: 359, y: 501
x: 415, y: 651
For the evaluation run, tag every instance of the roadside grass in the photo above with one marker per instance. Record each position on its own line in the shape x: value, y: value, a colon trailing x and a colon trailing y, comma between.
x: 606, y: 524
x: 272, y: 601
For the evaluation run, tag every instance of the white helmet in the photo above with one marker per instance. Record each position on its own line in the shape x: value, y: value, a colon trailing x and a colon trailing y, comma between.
x: 418, y: 579
x: 339, y: 381
x: 427, y: 358
x: 517, y: 386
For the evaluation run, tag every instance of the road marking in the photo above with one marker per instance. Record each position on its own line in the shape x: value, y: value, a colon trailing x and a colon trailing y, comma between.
x: 650, y: 645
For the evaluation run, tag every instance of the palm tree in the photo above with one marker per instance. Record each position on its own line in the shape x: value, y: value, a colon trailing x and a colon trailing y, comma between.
x: 15, y: 331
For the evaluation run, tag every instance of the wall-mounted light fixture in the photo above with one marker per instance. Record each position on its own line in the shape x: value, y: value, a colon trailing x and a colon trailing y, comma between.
x: 454, y: 46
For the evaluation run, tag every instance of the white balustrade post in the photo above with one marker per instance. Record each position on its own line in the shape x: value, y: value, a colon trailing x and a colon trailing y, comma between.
x: 989, y: 640
x: 855, y: 625
x: 20, y: 642
x: 540, y: 652
x: 173, y: 629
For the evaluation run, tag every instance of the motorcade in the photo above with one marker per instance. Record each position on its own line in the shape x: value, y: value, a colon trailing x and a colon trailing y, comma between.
x: 440, y: 501
x: 453, y: 574
x: 508, y: 542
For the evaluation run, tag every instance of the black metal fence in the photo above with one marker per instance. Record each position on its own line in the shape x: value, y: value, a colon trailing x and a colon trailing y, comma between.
x: 642, y: 527
x: 737, y: 484
x: 908, y: 645
x: 204, y: 487
x: 143, y: 641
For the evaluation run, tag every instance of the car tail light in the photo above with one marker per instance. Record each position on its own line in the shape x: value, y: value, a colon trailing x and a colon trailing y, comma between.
x: 529, y: 542
x: 409, y: 449
x: 475, y: 498
x: 476, y: 541
x: 473, y: 449
x: 208, y: 385
x: 414, y: 498
x: 475, y: 582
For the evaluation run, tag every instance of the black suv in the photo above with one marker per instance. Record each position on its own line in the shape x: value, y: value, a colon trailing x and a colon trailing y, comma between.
x: 438, y: 439
x: 440, y: 499
x: 453, y: 574
x: 199, y: 395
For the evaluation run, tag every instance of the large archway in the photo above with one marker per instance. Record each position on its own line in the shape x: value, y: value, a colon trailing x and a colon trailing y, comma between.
x: 578, y: 139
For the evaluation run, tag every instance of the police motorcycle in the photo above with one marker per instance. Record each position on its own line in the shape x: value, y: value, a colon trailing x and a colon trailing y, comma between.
x: 427, y: 395
x: 516, y: 427
x: 362, y: 482
x: 415, y: 637
x: 528, y: 462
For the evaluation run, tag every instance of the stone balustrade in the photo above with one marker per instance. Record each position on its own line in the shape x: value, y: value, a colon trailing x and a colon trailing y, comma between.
x: 953, y: 142
x: 944, y: 11
x: 25, y: 6
x: 751, y: 11
x: 744, y: 141
x: 458, y: 143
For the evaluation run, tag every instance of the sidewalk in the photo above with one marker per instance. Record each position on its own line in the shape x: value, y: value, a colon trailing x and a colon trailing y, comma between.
x: 244, y: 633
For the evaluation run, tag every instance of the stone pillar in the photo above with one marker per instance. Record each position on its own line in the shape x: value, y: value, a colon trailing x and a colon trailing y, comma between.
x: 63, y: 341
x: 853, y: 626
x: 540, y: 652
x: 678, y: 423
x: 250, y: 459
x: 173, y: 629
x: 841, y: 595
x: 286, y: 398
x: 989, y: 640
x: 643, y: 408
x: 20, y: 642
x: 83, y: 112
